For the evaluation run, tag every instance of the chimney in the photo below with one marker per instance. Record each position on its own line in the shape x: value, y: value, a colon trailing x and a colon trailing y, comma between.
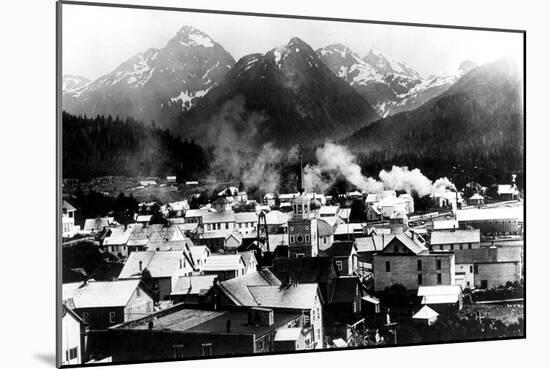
x: 301, y: 188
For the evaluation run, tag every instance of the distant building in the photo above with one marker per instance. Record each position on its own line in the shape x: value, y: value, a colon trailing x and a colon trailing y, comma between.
x: 97, y: 224
x: 192, y: 289
x: 171, y: 179
x: 488, y: 267
x: 493, y: 221
x: 325, y: 234
x: 443, y: 299
x: 451, y: 240
x: 426, y: 314
x: 68, y: 228
x: 476, y: 200
x: 508, y: 192
x: 407, y: 261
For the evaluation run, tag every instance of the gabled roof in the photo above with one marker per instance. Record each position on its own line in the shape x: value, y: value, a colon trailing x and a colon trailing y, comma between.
x: 440, y: 294
x: 344, y: 213
x: 193, y: 285
x: 248, y: 217
x: 425, y: 313
x: 349, y: 228
x: 159, y: 263
x: 507, y: 189
x: 193, y: 213
x: 371, y: 197
x: 476, y: 196
x: 198, y: 251
x: 236, y: 289
x: 410, y: 241
x: 324, y: 229
x: 303, y: 270
x: 288, y: 334
x: 118, y: 236
x: 98, y: 223
x: 444, y: 237
x: 300, y: 296
x: 340, y: 249
x: 96, y: 294
x: 248, y: 257
x: 67, y: 207
x: 218, y: 217
x: 329, y: 210
x: 369, y: 244
x: 218, y: 263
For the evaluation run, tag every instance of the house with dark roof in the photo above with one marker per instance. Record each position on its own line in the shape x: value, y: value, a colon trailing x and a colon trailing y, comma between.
x: 107, y: 271
x: 344, y: 256
x: 455, y: 239
x: 407, y: 261
x: 180, y: 332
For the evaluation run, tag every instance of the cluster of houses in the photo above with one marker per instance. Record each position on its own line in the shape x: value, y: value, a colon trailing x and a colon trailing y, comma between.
x: 215, y: 281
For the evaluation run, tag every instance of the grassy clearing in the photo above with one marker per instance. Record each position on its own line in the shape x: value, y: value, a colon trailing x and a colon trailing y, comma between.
x: 506, y: 313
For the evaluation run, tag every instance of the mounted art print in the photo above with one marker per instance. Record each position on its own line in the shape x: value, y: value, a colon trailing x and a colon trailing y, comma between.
x: 236, y: 184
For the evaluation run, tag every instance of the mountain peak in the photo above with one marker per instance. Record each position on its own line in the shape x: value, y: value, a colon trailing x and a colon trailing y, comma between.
x: 191, y: 36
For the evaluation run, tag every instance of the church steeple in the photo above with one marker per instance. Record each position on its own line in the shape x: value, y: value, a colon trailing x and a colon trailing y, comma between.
x: 301, y: 186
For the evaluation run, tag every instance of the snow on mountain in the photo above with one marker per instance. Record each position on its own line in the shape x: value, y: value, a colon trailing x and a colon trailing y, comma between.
x: 285, y: 96
x: 72, y: 83
x: 389, y: 85
x: 158, y: 84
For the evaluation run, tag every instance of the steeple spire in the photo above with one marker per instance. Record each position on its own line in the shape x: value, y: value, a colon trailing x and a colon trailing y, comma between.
x: 301, y: 186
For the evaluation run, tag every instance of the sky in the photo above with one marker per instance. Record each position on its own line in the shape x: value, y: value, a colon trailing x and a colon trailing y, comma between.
x: 98, y: 39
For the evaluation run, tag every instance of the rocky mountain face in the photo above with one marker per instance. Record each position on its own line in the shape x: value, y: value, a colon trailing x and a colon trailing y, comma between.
x: 156, y: 85
x: 286, y: 96
x: 390, y: 86
x: 477, y: 121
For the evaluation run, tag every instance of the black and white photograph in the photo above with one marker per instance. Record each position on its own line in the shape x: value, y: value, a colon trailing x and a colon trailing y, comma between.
x: 238, y: 184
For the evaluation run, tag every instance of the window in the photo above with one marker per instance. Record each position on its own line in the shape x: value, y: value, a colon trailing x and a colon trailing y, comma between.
x: 438, y: 278
x: 85, y: 318
x: 420, y: 279
x: 307, y: 237
x: 138, y: 293
x: 396, y: 249
x: 468, y: 284
x: 461, y: 246
x: 441, y: 247
x: 73, y: 353
x: 324, y: 240
x: 471, y: 269
x: 226, y: 225
x: 177, y: 351
x: 475, y: 269
x: 470, y: 246
x: 112, y: 317
x: 208, y: 227
x: 438, y: 264
x: 307, y: 228
x: 339, y: 266
x: 419, y: 264
x: 291, y: 239
x: 387, y: 266
x: 207, y: 349
x: 354, y: 307
x: 299, y: 238
x: 452, y: 246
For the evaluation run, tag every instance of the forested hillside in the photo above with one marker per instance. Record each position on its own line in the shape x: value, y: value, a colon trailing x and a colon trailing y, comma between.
x: 105, y: 146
